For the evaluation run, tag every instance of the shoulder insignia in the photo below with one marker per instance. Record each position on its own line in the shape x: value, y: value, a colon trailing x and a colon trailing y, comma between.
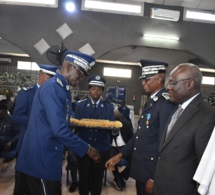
x: 165, y: 95
x: 59, y: 82
x: 27, y: 88
x: 81, y: 101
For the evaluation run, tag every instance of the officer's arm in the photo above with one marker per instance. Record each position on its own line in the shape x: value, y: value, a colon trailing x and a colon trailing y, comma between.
x: 20, y: 115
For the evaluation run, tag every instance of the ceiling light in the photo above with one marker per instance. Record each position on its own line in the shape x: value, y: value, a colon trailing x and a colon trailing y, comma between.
x: 161, y: 37
x: 165, y: 14
x: 207, y: 70
x: 70, y: 6
x: 203, y: 16
x: 41, y: 3
x: 112, y: 7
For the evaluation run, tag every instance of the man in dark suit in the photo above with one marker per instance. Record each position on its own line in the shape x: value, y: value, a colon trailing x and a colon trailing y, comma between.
x: 91, y: 173
x: 145, y: 142
x: 184, y: 141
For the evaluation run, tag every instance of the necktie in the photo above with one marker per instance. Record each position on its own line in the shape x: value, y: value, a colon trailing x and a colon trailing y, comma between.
x: 174, y: 119
x: 94, y: 106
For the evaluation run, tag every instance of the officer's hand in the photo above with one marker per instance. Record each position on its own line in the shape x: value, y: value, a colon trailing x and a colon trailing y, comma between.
x: 149, y: 186
x: 94, y: 154
x: 113, y: 161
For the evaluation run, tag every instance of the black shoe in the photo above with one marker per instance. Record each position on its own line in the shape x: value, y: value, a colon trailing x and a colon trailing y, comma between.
x: 73, y: 187
x: 117, y: 184
x: 123, y: 183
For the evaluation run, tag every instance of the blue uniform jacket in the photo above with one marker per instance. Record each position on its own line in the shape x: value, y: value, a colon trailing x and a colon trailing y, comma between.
x: 42, y: 149
x: 22, y: 110
x: 145, y: 142
x: 98, y: 138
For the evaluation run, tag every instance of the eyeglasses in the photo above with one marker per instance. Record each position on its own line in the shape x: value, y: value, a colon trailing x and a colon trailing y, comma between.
x: 81, y: 74
x: 148, y: 78
x: 172, y: 84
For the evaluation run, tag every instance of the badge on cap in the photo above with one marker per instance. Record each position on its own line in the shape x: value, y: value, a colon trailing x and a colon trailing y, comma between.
x: 97, y: 77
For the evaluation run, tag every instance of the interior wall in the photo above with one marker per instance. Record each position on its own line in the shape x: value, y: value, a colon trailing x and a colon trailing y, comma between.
x: 133, y: 85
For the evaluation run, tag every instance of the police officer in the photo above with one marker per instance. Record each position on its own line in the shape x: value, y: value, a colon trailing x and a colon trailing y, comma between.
x: 22, y: 112
x: 40, y: 157
x: 90, y: 173
x: 145, y: 142
x: 25, y: 98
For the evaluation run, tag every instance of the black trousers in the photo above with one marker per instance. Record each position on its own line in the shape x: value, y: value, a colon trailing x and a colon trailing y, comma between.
x: 91, y: 174
x: 72, y: 166
x: 36, y: 186
x: 141, y: 188
x: 21, y: 185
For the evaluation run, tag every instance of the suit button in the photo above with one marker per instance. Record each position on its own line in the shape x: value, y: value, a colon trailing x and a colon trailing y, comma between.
x: 142, y: 116
x: 159, y: 158
x: 139, y: 127
x: 152, y: 158
x: 135, y: 148
x: 137, y: 137
x: 90, y: 138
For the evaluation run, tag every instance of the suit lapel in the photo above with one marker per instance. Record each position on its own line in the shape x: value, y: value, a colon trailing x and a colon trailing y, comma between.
x: 185, y: 116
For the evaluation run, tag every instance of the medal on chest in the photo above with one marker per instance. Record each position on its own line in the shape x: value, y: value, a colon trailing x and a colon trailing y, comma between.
x: 148, y: 116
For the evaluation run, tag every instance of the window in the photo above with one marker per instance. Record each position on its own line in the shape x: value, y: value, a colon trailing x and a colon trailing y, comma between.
x: 24, y: 65
x: 117, y: 72
x: 113, y: 7
x: 40, y: 3
x: 199, y: 16
x: 208, y: 80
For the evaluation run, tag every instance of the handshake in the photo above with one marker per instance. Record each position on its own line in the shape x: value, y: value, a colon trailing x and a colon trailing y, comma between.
x: 94, y: 154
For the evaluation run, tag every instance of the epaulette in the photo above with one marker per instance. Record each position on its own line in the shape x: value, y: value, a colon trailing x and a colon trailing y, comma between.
x: 81, y: 101
x: 165, y: 95
x: 27, y: 88
x: 59, y: 82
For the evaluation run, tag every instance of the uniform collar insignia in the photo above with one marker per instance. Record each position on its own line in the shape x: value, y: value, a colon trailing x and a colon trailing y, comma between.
x: 59, y: 82
x: 67, y: 87
x: 155, y: 98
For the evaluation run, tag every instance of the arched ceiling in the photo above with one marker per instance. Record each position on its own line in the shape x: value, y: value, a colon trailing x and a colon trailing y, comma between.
x: 113, y: 37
